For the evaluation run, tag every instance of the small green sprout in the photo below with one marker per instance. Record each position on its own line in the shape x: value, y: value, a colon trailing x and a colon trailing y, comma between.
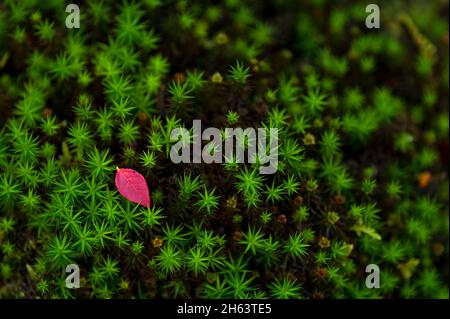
x: 284, y: 289
x: 239, y: 73
x: 180, y: 93
x: 208, y: 201
x: 232, y: 117
x: 253, y: 240
x: 169, y: 259
x: 296, y: 245
x: 148, y: 159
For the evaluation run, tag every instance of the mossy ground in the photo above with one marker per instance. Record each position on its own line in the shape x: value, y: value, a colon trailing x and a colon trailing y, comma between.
x: 363, y: 149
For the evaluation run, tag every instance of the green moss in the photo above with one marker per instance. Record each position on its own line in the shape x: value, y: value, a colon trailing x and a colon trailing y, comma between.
x: 363, y: 149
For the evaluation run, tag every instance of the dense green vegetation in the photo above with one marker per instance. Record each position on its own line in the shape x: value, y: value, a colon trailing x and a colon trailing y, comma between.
x: 363, y: 149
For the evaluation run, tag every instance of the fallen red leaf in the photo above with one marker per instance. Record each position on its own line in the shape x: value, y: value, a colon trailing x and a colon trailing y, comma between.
x: 132, y: 186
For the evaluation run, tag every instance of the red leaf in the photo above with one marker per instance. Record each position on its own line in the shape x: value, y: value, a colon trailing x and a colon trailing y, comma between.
x: 132, y: 186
